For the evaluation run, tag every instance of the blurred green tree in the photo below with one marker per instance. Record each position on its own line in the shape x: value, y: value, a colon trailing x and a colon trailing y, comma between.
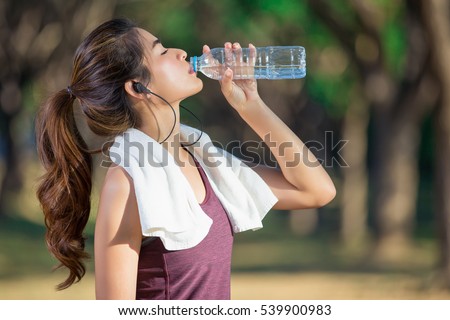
x: 371, y: 80
x: 37, y: 42
x: 436, y: 15
x: 386, y: 45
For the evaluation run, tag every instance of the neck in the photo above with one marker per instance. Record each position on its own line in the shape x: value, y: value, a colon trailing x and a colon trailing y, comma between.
x: 160, y: 123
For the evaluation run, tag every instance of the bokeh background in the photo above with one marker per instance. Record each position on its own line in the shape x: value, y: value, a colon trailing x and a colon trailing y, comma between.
x: 374, y: 106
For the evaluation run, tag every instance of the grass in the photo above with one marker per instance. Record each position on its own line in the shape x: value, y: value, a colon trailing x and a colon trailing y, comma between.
x: 272, y: 263
x: 23, y: 250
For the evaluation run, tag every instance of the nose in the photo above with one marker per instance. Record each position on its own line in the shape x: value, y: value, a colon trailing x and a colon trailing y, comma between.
x: 182, y: 55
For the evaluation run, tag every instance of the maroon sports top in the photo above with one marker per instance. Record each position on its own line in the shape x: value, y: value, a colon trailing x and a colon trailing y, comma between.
x: 201, y: 273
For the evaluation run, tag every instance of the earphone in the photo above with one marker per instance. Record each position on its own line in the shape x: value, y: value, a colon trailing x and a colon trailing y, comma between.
x: 140, y: 88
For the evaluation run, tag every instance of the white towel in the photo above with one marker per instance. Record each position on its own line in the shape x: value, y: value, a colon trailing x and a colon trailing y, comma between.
x: 166, y: 202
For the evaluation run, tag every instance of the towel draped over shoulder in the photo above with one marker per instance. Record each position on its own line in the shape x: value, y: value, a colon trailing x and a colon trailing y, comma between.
x: 167, y: 205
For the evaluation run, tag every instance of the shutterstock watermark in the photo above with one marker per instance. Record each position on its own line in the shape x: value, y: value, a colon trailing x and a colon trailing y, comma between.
x: 266, y: 152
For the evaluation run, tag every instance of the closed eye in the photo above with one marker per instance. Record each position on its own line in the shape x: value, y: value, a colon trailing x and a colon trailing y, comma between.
x: 165, y: 51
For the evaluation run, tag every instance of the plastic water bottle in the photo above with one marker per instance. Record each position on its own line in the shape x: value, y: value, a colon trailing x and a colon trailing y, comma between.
x: 271, y: 63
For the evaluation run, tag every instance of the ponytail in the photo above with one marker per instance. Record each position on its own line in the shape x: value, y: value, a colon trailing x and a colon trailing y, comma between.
x: 112, y: 54
x: 65, y: 188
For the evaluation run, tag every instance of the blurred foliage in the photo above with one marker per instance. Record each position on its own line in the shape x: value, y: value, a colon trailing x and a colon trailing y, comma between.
x: 332, y: 81
x: 311, y: 106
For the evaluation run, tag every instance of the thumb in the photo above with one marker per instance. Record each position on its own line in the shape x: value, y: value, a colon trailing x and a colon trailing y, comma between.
x: 227, y: 82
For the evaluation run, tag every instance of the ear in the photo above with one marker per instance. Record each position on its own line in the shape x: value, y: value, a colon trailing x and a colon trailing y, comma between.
x: 131, y: 91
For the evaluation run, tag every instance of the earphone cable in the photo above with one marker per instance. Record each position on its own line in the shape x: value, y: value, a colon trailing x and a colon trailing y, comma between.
x: 175, y: 119
x: 174, y: 115
x: 201, y: 127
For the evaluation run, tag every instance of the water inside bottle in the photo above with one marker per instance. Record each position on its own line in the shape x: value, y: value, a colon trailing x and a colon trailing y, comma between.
x: 262, y: 72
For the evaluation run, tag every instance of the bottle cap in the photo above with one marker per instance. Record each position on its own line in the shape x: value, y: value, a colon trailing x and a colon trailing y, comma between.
x: 193, y: 62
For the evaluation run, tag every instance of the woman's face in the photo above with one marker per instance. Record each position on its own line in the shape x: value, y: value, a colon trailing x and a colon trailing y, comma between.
x: 171, y: 75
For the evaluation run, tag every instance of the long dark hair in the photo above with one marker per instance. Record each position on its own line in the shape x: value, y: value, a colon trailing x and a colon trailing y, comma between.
x: 109, y: 56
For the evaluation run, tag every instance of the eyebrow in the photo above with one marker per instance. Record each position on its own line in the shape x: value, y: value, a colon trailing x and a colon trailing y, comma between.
x: 157, y: 41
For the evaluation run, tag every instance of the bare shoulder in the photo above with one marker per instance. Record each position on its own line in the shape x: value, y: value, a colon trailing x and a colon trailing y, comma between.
x: 117, y: 237
x: 117, y: 204
x: 116, y: 180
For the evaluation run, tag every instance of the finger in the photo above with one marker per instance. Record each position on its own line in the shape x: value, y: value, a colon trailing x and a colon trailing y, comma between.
x: 252, y: 54
x: 228, y: 54
x: 207, y: 52
x: 238, y: 52
x: 251, y: 60
x: 227, y: 82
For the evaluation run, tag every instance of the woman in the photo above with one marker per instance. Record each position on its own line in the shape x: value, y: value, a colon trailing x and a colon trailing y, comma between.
x: 170, y: 201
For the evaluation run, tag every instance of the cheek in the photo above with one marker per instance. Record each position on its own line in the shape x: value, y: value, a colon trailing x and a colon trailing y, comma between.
x: 170, y: 82
x: 166, y: 74
x: 175, y: 79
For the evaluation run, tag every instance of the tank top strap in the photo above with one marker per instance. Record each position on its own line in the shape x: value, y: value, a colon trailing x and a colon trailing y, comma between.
x: 205, y: 180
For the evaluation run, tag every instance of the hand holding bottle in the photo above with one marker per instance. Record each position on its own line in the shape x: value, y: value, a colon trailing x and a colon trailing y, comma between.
x: 237, y: 92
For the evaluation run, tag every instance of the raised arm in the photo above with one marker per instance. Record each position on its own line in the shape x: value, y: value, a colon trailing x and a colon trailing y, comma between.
x: 302, y: 182
x: 117, y: 238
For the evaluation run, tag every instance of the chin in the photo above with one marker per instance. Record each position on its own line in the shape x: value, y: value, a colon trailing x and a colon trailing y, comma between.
x: 192, y: 88
x: 193, y: 92
x: 198, y: 87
